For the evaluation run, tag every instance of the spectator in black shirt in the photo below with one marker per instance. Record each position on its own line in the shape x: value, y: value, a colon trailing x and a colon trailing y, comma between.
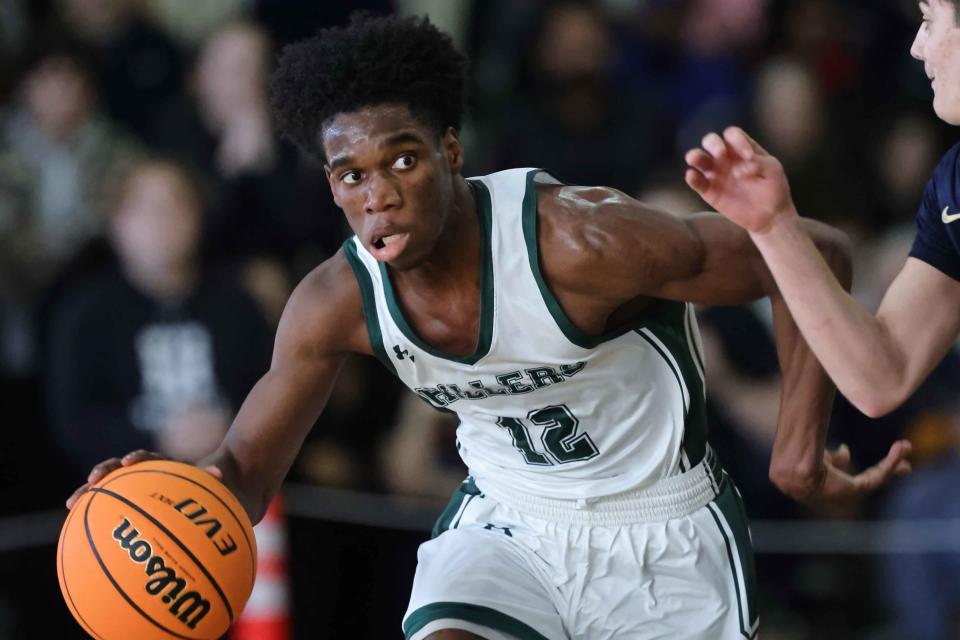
x: 156, y: 354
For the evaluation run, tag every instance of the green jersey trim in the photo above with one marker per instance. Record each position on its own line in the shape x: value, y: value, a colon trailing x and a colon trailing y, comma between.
x: 573, y: 333
x: 485, y: 209
x: 368, y: 297
x: 467, y: 612
x: 671, y: 327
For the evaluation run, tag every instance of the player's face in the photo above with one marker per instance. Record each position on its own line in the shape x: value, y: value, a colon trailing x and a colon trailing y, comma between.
x: 393, y: 179
x: 938, y: 45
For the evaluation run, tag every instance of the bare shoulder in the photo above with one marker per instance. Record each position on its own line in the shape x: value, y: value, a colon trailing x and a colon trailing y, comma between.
x: 324, y: 315
x: 599, y: 238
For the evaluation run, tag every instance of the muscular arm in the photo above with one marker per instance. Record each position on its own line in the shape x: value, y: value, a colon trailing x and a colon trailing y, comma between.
x: 876, y: 361
x: 321, y: 324
x: 615, y: 251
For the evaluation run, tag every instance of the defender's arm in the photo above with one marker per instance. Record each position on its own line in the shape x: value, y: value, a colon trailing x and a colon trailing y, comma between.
x: 630, y: 250
x: 876, y: 361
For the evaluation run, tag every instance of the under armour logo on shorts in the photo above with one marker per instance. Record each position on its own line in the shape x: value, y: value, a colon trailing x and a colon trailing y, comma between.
x: 491, y: 527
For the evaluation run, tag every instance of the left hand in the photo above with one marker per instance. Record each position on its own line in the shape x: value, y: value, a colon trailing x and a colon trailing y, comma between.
x: 838, y: 483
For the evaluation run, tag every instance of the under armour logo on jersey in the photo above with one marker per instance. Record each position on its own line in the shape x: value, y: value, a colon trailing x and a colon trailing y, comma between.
x: 401, y: 354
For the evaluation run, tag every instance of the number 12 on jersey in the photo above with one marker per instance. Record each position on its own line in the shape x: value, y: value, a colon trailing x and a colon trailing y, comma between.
x: 560, y: 438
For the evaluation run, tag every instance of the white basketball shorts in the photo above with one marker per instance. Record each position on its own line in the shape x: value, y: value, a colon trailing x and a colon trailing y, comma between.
x: 671, y: 561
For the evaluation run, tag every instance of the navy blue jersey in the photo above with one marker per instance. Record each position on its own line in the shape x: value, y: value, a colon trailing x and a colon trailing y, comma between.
x: 938, y: 220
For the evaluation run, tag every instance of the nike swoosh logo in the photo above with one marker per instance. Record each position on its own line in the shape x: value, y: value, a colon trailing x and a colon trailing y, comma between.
x: 948, y: 218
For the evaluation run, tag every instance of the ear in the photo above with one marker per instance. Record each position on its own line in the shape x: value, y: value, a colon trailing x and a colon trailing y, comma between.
x: 333, y: 191
x: 452, y: 149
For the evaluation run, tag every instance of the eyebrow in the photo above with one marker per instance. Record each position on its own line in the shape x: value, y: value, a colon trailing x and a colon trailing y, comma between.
x: 405, y: 137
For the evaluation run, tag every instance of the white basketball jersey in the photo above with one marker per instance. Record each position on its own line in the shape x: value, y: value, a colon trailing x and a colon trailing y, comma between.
x: 543, y: 406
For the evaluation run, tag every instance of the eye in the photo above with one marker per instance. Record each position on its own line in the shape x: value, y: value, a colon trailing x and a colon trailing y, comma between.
x: 406, y: 161
x: 350, y: 177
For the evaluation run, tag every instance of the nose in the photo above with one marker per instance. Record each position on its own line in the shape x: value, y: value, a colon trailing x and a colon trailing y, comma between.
x: 916, y: 49
x: 382, y: 194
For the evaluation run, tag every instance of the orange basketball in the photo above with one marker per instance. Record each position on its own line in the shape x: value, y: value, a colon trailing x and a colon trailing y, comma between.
x: 157, y: 550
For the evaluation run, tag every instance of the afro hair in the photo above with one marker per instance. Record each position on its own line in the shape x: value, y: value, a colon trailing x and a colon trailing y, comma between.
x: 373, y: 60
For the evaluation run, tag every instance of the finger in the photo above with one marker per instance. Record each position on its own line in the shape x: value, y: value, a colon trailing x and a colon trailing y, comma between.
x: 102, y: 469
x: 841, y: 457
x: 72, y: 500
x: 757, y: 147
x: 714, y: 145
x: 697, y: 181
x: 214, y: 471
x: 902, y: 450
x: 906, y: 447
x: 899, y: 451
x: 140, y: 455
x: 744, y: 146
x: 700, y: 160
x: 834, y: 456
x: 877, y: 475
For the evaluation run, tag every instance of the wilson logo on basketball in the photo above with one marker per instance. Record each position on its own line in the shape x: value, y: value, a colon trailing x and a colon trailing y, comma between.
x: 225, y: 543
x: 162, y: 577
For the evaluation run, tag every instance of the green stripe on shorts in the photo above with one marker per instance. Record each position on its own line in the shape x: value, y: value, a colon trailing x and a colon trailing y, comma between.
x: 477, y: 614
x: 731, y: 507
x: 466, y: 491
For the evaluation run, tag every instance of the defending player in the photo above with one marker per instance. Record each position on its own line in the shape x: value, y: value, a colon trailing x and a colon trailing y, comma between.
x: 556, y: 321
x: 876, y: 361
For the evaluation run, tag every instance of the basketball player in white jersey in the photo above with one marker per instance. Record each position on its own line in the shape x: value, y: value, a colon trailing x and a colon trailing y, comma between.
x: 556, y: 321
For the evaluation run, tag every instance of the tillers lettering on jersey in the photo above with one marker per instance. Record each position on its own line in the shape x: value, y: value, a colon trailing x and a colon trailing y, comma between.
x: 544, y: 407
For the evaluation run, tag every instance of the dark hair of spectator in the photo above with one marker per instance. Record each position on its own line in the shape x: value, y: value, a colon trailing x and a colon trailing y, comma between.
x: 374, y: 60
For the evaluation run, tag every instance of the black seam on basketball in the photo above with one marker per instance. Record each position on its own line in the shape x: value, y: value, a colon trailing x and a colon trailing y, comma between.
x: 106, y: 572
x: 230, y: 510
x: 73, y: 605
x: 176, y: 540
x: 134, y: 470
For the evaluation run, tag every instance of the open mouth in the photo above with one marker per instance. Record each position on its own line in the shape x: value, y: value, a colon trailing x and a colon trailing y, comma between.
x: 380, y: 243
x: 389, y: 247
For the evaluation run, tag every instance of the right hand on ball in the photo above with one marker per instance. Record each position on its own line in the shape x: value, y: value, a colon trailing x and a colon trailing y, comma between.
x: 738, y: 178
x: 100, y: 471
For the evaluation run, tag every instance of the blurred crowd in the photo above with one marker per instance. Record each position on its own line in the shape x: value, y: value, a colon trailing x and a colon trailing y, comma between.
x: 152, y: 226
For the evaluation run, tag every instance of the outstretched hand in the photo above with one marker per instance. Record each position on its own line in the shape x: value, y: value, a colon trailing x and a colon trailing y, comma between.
x: 738, y: 178
x: 839, y: 484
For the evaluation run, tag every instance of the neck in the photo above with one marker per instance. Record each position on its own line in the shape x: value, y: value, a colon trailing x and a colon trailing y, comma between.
x: 457, y: 256
x: 171, y: 284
